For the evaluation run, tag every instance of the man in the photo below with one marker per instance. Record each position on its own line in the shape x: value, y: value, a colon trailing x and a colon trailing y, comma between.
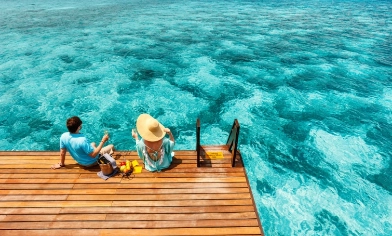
x: 84, y: 152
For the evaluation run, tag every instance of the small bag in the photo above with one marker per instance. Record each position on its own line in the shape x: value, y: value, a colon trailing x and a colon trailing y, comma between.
x: 105, y: 164
x: 106, y: 169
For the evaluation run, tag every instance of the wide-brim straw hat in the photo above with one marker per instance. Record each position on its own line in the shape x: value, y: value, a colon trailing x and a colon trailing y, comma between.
x: 149, y: 128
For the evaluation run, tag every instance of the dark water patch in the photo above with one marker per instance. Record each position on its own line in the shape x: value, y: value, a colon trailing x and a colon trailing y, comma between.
x: 152, y: 52
x: 170, y: 73
x: 28, y: 53
x: 338, y: 82
x: 208, y: 117
x: 297, y: 131
x: 235, y: 56
x: 156, y: 52
x: 277, y: 157
x: 347, y: 82
x: 158, y: 112
x: 66, y: 58
x: 40, y: 124
x: 348, y: 193
x: 67, y: 105
x: 84, y: 106
x: 306, y: 81
x: 122, y: 52
x: 263, y: 187
x: 310, y: 114
x: 192, y: 89
x: 325, y: 222
x: 81, y: 64
x: 267, y: 82
x: 109, y: 124
x: 309, y: 161
x: 85, y: 80
x: 336, y: 126
x: 113, y: 122
x: 384, y: 60
x: 145, y: 75
x: 8, y: 78
x: 294, y: 60
x: 380, y: 133
x: 127, y: 87
x: 383, y: 179
x: 355, y: 117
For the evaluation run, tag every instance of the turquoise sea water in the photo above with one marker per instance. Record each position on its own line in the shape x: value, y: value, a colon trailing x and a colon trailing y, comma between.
x: 309, y: 82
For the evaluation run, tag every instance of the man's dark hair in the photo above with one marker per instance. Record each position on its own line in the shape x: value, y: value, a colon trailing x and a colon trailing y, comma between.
x: 73, y: 124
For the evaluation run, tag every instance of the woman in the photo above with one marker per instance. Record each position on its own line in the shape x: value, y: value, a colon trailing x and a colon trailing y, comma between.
x: 154, y: 149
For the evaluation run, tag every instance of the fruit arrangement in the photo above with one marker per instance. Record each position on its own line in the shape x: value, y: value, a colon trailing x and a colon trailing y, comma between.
x: 126, y: 166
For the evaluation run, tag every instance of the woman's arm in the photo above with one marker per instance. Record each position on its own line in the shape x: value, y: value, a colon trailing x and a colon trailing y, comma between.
x: 167, y: 130
x: 134, y: 135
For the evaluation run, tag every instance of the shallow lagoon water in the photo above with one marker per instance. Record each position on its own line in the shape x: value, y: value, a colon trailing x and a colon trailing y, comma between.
x: 309, y: 82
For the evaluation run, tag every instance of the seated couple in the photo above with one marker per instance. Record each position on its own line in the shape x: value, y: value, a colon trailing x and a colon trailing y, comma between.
x: 154, y: 149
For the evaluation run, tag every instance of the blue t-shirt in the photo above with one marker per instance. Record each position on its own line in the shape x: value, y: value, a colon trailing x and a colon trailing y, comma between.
x: 79, y: 147
x: 161, y: 161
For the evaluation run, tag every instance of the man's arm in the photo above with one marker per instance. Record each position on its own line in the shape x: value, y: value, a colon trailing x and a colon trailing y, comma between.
x: 63, y: 151
x: 98, y: 149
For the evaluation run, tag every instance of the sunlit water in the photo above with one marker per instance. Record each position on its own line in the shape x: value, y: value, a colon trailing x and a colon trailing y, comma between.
x: 309, y: 82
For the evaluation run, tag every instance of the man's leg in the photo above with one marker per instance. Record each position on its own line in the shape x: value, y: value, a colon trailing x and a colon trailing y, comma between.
x: 108, y: 149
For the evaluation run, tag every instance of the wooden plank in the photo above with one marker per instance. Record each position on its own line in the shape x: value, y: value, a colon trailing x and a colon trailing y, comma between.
x: 36, y: 186
x: 51, y: 232
x: 176, y: 203
x: 78, y: 169
x: 148, y: 197
x: 12, y: 210
x: 125, y: 184
x: 122, y: 191
x: 181, y: 216
x: 55, y: 175
x: 128, y: 217
x: 186, y: 231
x: 139, y: 232
x: 118, y: 180
x: 57, y: 181
x: 124, y: 210
x: 41, y: 197
x: 54, y: 217
x: 41, y: 176
x: 127, y: 224
x: 36, y: 165
x: 54, y: 203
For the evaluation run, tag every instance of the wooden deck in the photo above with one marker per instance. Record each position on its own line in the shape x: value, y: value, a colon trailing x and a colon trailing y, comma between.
x: 214, y: 199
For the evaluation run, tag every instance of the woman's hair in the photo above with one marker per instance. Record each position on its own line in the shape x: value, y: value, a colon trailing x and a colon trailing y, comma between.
x: 73, y: 124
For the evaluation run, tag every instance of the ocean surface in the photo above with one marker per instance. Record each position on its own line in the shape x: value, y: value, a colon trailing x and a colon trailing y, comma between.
x: 310, y: 83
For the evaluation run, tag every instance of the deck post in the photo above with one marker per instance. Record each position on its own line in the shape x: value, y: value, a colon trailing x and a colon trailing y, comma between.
x: 232, y: 141
x: 198, y: 141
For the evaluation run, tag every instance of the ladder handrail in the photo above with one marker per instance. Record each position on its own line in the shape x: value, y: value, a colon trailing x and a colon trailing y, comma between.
x: 198, y: 141
x: 232, y: 141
